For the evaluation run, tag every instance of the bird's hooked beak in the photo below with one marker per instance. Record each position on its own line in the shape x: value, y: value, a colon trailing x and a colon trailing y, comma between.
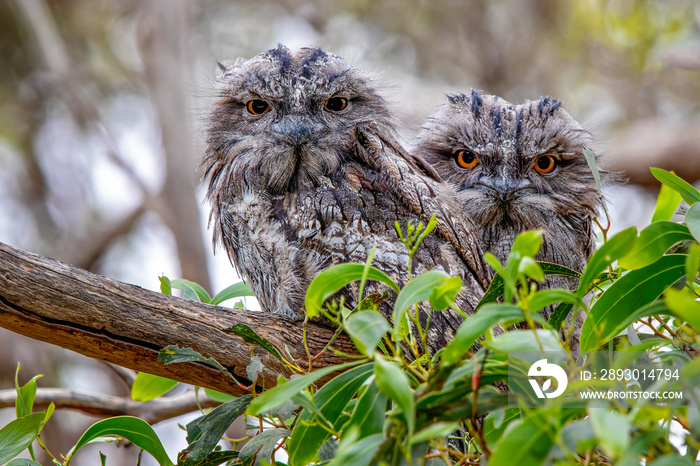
x: 296, y: 129
x: 505, y: 189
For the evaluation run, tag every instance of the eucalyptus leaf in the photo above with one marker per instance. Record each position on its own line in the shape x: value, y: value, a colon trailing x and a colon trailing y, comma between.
x: 331, y: 280
x: 236, y: 290
x: 191, y: 290
x: 147, y: 387
x: 666, y: 204
x: 417, y: 290
x: 211, y: 427
x: 19, y: 434
x: 366, y: 329
x: 330, y: 400
x: 612, y: 430
x: 653, y: 242
x: 258, y: 450
x: 526, y: 340
x: 393, y: 383
x: 684, y: 305
x: 174, y: 354
x: 545, y: 298
x: 615, y: 248
x: 25, y: 394
x: 692, y: 220
x: 274, y: 397
x: 476, y: 325
x: 526, y: 443
x: 370, y: 411
x: 251, y: 337
x: 434, y: 430
x: 136, y: 430
x: 444, y: 295
x: 629, y: 293
x: 685, y: 189
x: 353, y: 452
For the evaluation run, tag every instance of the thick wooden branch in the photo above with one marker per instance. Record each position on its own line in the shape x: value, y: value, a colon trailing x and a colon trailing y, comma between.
x: 126, y: 325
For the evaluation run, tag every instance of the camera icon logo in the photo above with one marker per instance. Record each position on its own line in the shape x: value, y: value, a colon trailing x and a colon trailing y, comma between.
x: 542, y: 368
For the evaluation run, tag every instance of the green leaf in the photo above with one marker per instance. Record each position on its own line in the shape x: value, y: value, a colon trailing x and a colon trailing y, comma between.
x: 352, y: 452
x: 525, y: 340
x: 281, y: 393
x: 628, y: 294
x: 684, y: 305
x: 614, y: 249
x: 525, y: 443
x: 692, y: 219
x: 393, y: 383
x: 611, y: 428
x: 329, y: 281
x: 212, y: 428
x: 476, y: 325
x: 555, y: 269
x: 236, y: 290
x: 258, y: 450
x: 135, y: 430
x: 590, y: 159
x: 370, y: 412
x: 672, y: 459
x: 495, y: 291
x: 216, y: 458
x: 25, y: 394
x: 435, y: 430
x: 219, y: 396
x: 559, y: 315
x: 493, y: 262
x: 497, y: 421
x: 496, y: 288
x: 417, y: 290
x: 685, y: 189
x: 692, y: 264
x: 148, y: 386
x: 19, y: 434
x: 252, y: 338
x: 191, y: 290
x: 443, y: 296
x: 366, y: 329
x: 544, y: 298
x: 527, y: 243
x: 22, y: 462
x: 165, y: 286
x: 530, y: 268
x: 365, y: 273
x: 174, y: 354
x: 666, y: 204
x: 652, y: 309
x: 653, y: 242
x: 331, y: 399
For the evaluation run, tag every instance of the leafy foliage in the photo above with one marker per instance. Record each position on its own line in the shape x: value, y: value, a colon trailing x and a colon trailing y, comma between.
x: 395, y: 405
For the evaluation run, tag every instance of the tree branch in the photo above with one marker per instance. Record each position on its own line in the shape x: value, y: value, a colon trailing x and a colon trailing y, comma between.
x: 151, y: 411
x: 126, y: 325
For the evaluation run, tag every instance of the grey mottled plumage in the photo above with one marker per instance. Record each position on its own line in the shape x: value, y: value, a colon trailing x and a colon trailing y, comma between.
x: 516, y: 168
x: 304, y: 172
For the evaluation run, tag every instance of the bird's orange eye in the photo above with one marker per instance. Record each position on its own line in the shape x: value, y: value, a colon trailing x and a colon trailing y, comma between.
x: 546, y: 163
x: 336, y: 104
x: 466, y: 158
x: 257, y: 107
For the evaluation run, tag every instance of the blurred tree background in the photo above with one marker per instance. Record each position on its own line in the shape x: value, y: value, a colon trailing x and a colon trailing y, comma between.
x: 102, y: 106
